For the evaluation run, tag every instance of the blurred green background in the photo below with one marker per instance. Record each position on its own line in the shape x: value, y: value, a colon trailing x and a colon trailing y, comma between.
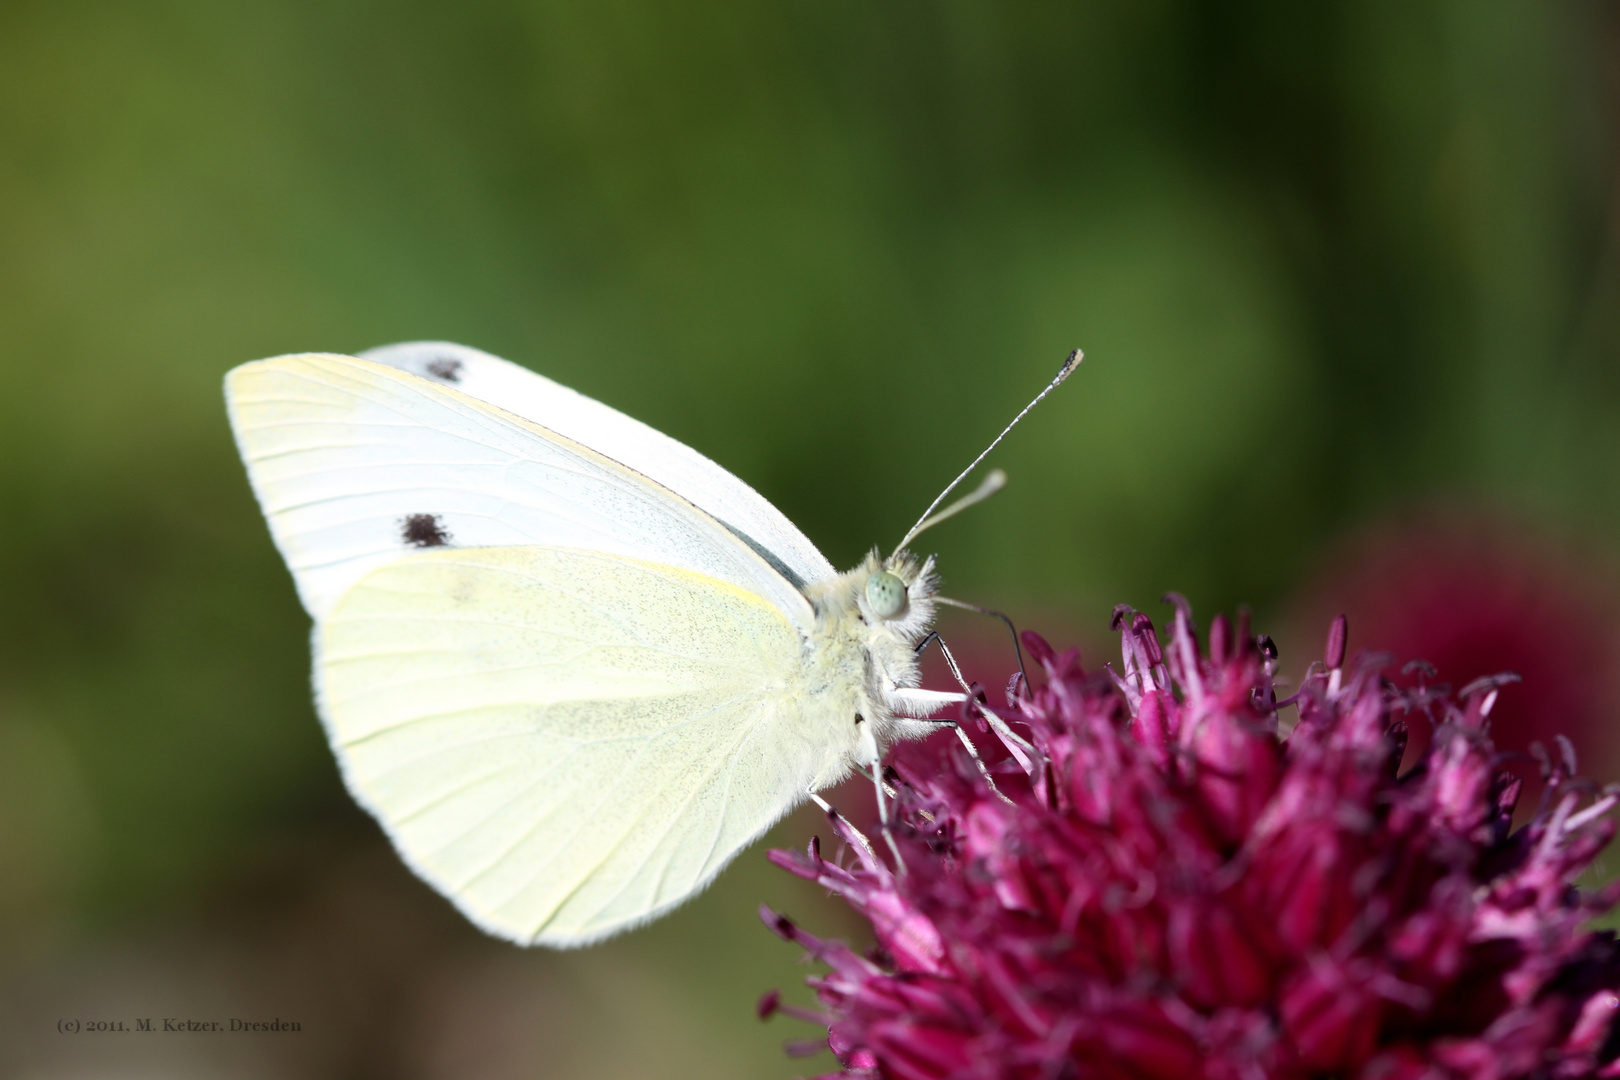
x: 1328, y: 261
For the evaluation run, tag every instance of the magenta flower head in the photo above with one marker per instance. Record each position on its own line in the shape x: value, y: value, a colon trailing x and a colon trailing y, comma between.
x: 1475, y: 593
x: 1175, y: 875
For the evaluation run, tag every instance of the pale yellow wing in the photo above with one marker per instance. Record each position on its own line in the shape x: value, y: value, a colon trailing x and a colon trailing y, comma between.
x: 565, y: 743
x: 357, y: 463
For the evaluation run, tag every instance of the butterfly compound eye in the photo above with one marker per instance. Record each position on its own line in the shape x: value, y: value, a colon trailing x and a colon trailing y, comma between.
x: 885, y: 594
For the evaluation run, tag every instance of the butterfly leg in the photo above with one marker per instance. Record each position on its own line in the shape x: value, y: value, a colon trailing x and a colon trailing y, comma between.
x: 973, y: 751
x: 869, y: 756
x: 1018, y: 650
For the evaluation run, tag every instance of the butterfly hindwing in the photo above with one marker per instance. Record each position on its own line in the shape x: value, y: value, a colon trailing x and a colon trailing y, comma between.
x: 565, y: 743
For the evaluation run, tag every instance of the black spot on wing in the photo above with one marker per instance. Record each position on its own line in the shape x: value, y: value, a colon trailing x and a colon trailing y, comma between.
x: 424, y: 531
x: 444, y: 368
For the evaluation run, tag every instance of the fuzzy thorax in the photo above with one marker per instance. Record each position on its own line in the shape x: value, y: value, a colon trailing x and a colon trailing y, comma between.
x: 854, y: 659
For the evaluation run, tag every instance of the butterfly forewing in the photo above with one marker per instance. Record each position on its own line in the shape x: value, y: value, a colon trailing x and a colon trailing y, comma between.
x: 628, y: 441
x: 357, y: 464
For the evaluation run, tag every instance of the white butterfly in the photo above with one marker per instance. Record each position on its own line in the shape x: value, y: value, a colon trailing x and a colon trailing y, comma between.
x: 571, y: 665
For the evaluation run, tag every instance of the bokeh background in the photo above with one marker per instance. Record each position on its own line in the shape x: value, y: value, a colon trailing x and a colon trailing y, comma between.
x: 1347, y: 275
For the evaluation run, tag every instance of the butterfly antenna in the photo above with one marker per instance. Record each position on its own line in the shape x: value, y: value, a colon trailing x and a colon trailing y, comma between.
x: 991, y: 482
x: 994, y: 482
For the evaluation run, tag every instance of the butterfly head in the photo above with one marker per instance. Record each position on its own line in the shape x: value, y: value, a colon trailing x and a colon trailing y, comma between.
x: 897, y: 594
x: 886, y: 595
